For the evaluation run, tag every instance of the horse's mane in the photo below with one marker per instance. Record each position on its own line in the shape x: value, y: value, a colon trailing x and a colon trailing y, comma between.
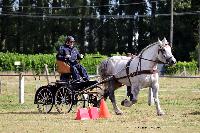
x: 120, y: 57
x: 150, y: 45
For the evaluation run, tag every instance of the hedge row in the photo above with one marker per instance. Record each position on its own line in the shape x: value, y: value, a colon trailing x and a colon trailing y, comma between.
x: 35, y: 63
x: 190, y: 67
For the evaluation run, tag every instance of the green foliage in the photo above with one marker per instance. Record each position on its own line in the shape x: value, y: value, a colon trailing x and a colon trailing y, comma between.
x: 36, y: 62
x: 91, y: 61
x: 28, y: 62
x: 190, y: 67
x: 182, y: 4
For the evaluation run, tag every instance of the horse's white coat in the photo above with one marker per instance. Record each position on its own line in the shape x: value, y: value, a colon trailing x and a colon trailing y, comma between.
x: 146, y: 60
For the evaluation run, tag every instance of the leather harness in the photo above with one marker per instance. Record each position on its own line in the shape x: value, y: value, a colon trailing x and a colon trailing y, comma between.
x: 138, y: 70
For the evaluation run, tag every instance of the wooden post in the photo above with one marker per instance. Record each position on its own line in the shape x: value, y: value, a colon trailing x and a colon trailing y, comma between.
x: 21, y: 88
x: 0, y: 87
x: 184, y: 71
x: 47, y: 72
x: 54, y: 70
x: 172, y: 23
x: 199, y: 47
x: 97, y: 70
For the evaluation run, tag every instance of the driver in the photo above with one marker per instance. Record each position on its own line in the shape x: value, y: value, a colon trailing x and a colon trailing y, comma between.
x: 70, y: 55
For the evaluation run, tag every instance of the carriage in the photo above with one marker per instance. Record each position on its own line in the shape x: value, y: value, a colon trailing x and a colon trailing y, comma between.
x: 67, y: 94
x: 139, y: 72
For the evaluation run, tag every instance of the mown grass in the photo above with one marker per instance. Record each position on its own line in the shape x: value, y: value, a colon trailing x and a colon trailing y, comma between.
x: 180, y: 99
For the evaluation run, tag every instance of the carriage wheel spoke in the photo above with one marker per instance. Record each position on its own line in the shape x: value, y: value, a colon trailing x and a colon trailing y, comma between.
x: 44, y: 100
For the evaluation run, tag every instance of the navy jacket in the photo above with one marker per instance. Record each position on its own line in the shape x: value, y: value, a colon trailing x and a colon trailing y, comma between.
x: 68, y: 54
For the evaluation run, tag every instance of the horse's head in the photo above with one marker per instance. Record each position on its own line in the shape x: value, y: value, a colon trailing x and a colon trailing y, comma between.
x: 165, y: 53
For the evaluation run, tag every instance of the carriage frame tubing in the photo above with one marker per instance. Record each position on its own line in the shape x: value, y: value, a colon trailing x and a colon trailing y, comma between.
x: 75, y: 96
x: 67, y: 94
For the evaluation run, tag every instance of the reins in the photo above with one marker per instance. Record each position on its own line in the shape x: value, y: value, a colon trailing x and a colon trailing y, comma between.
x: 137, y: 73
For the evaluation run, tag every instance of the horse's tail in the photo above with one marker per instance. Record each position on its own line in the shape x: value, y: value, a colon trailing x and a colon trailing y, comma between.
x: 103, y: 72
x: 103, y: 69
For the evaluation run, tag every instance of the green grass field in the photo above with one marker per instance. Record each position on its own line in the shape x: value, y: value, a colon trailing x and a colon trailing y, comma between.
x: 180, y: 99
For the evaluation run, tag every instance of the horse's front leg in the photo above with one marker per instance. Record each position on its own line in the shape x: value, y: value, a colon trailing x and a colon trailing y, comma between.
x: 150, y: 97
x: 155, y: 88
x: 112, y: 98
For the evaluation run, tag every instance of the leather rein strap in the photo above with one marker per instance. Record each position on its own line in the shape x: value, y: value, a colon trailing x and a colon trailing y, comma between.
x: 138, y: 72
x: 127, y: 69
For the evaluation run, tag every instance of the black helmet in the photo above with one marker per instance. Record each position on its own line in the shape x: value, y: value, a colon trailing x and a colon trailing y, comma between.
x: 69, y: 39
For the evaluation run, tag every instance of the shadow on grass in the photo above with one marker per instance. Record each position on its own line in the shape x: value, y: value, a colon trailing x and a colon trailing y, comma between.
x: 195, y: 113
x: 54, y: 113
x: 196, y: 99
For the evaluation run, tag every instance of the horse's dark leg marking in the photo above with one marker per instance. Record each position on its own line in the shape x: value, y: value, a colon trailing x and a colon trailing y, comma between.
x: 129, y: 94
x: 106, y: 94
x: 134, y: 92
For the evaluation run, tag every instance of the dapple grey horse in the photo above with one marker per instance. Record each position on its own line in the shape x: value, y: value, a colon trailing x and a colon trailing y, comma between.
x: 138, y: 72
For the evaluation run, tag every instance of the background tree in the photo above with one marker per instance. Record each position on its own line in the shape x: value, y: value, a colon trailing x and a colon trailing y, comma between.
x: 5, y: 30
x: 106, y: 26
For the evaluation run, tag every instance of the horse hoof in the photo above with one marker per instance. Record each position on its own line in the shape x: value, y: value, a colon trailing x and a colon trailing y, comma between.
x: 160, y: 113
x: 134, y: 101
x: 122, y: 103
x: 150, y: 104
x: 126, y: 103
x: 119, y: 113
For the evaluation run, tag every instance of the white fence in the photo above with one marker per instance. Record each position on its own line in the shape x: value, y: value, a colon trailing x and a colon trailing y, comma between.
x: 21, y: 81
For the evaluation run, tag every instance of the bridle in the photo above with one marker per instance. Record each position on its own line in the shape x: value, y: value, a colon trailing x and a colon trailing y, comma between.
x: 161, y: 49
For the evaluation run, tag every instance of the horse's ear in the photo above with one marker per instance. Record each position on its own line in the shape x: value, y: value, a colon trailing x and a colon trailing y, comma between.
x: 159, y: 41
x: 164, y: 41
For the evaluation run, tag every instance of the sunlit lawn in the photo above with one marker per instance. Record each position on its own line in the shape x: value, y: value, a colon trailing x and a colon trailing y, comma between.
x: 180, y: 99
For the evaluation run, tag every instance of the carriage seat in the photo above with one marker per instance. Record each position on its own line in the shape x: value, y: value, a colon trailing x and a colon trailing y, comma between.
x: 63, y: 68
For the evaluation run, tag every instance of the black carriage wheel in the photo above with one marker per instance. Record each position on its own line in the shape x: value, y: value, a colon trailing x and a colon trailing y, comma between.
x: 44, y: 100
x: 63, y: 100
x: 95, y: 96
x: 92, y: 100
x: 79, y: 101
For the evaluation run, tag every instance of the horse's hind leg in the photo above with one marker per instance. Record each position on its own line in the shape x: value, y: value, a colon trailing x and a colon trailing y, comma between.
x: 133, y: 98
x: 112, y: 98
x: 155, y: 89
x: 106, y: 94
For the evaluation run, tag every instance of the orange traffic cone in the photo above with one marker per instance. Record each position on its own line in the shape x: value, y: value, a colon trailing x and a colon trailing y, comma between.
x: 82, y: 114
x: 103, y: 113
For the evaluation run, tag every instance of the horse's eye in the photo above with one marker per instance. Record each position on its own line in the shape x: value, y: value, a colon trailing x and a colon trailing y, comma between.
x: 162, y: 50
